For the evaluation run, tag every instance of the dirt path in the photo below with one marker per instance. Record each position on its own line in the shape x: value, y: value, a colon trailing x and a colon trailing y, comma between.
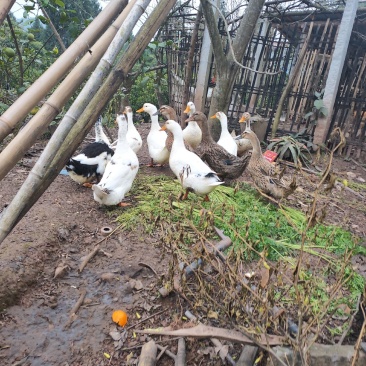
x: 62, y: 228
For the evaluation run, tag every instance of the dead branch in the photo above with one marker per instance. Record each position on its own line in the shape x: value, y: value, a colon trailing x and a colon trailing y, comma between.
x: 148, y: 354
x: 75, y: 309
x: 360, y: 336
x: 350, y: 321
x: 144, y: 320
x: 180, y: 357
x: 89, y: 257
x: 204, y: 331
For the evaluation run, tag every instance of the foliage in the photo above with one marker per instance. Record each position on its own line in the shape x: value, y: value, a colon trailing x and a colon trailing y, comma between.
x: 36, y: 59
x: 295, y: 148
x: 70, y: 18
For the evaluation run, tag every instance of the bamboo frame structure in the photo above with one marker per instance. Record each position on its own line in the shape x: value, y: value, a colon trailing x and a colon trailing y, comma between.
x: 52, y: 107
x: 34, y: 94
x: 24, y: 199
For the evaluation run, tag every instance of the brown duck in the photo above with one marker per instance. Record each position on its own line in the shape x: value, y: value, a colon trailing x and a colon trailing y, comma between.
x: 226, y: 165
x: 267, y: 176
x: 169, y: 112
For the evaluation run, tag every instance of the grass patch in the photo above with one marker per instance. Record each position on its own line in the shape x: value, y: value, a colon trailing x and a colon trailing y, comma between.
x: 258, y: 230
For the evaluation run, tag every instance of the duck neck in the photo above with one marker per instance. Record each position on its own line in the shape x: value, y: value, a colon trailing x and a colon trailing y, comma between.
x: 154, y: 121
x: 129, y: 120
x: 223, y: 121
x: 206, y: 134
x: 178, y: 139
x: 122, y: 131
x: 257, y: 151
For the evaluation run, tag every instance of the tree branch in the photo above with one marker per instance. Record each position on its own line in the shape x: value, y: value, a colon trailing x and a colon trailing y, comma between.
x: 211, y: 24
x: 20, y: 59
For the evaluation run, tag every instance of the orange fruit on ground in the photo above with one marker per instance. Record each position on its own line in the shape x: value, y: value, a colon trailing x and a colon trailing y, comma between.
x: 119, y: 317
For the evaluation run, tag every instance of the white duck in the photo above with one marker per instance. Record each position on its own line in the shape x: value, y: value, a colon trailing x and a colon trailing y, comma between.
x: 156, y: 138
x: 90, y: 164
x: 133, y: 136
x: 192, y: 134
x: 120, y: 171
x: 226, y: 140
x: 194, y: 175
x: 100, y: 136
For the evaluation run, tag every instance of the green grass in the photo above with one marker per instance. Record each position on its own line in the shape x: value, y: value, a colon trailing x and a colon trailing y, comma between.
x: 254, y: 225
x: 241, y: 213
x: 250, y: 221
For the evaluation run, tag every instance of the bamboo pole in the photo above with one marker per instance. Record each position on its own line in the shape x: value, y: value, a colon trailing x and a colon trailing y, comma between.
x: 36, y: 126
x: 25, y: 199
x: 23, y: 105
x: 5, y: 7
x: 291, y: 79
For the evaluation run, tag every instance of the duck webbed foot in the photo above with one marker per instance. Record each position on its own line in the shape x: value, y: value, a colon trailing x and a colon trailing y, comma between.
x: 87, y: 185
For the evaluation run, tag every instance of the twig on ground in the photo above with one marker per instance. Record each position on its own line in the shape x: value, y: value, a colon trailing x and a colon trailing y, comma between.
x: 344, y: 334
x: 149, y: 317
x: 204, y: 331
x: 357, y: 163
x: 75, y: 309
x: 362, y: 332
x: 89, y: 257
x: 180, y: 357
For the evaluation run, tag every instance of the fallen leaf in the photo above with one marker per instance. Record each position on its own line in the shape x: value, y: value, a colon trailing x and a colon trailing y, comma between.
x: 212, y: 314
x: 222, y: 351
x: 61, y: 270
x: 264, y: 277
x: 115, y: 335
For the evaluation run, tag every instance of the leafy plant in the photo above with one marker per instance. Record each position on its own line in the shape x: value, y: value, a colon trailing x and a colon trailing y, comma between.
x: 295, y: 148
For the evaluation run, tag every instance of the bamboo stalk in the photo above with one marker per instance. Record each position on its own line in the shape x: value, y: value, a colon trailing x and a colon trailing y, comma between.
x: 36, y: 126
x: 23, y: 105
x: 25, y: 198
x: 5, y: 8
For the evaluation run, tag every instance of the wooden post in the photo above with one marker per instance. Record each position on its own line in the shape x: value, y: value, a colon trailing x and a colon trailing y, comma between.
x: 203, y: 71
x: 36, y: 126
x: 189, y: 67
x: 24, y: 104
x: 335, y: 70
x: 25, y: 198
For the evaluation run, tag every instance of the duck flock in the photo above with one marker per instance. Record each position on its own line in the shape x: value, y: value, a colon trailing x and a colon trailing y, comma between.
x: 199, y: 163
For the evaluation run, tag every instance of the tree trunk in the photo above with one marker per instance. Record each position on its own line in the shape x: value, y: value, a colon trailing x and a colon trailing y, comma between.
x: 23, y: 201
x: 227, y: 68
x: 34, y: 94
x: 36, y: 126
x: 53, y: 28
x: 5, y: 7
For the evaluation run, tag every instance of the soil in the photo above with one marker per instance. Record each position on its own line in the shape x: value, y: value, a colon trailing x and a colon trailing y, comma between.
x: 60, y: 230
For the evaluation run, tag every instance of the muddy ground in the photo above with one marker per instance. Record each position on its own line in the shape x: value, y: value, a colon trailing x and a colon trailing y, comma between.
x: 61, y: 229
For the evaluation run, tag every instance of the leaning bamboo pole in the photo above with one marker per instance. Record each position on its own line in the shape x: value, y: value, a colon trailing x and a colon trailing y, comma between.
x: 23, y: 105
x: 5, y: 7
x: 25, y: 198
x: 36, y: 126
